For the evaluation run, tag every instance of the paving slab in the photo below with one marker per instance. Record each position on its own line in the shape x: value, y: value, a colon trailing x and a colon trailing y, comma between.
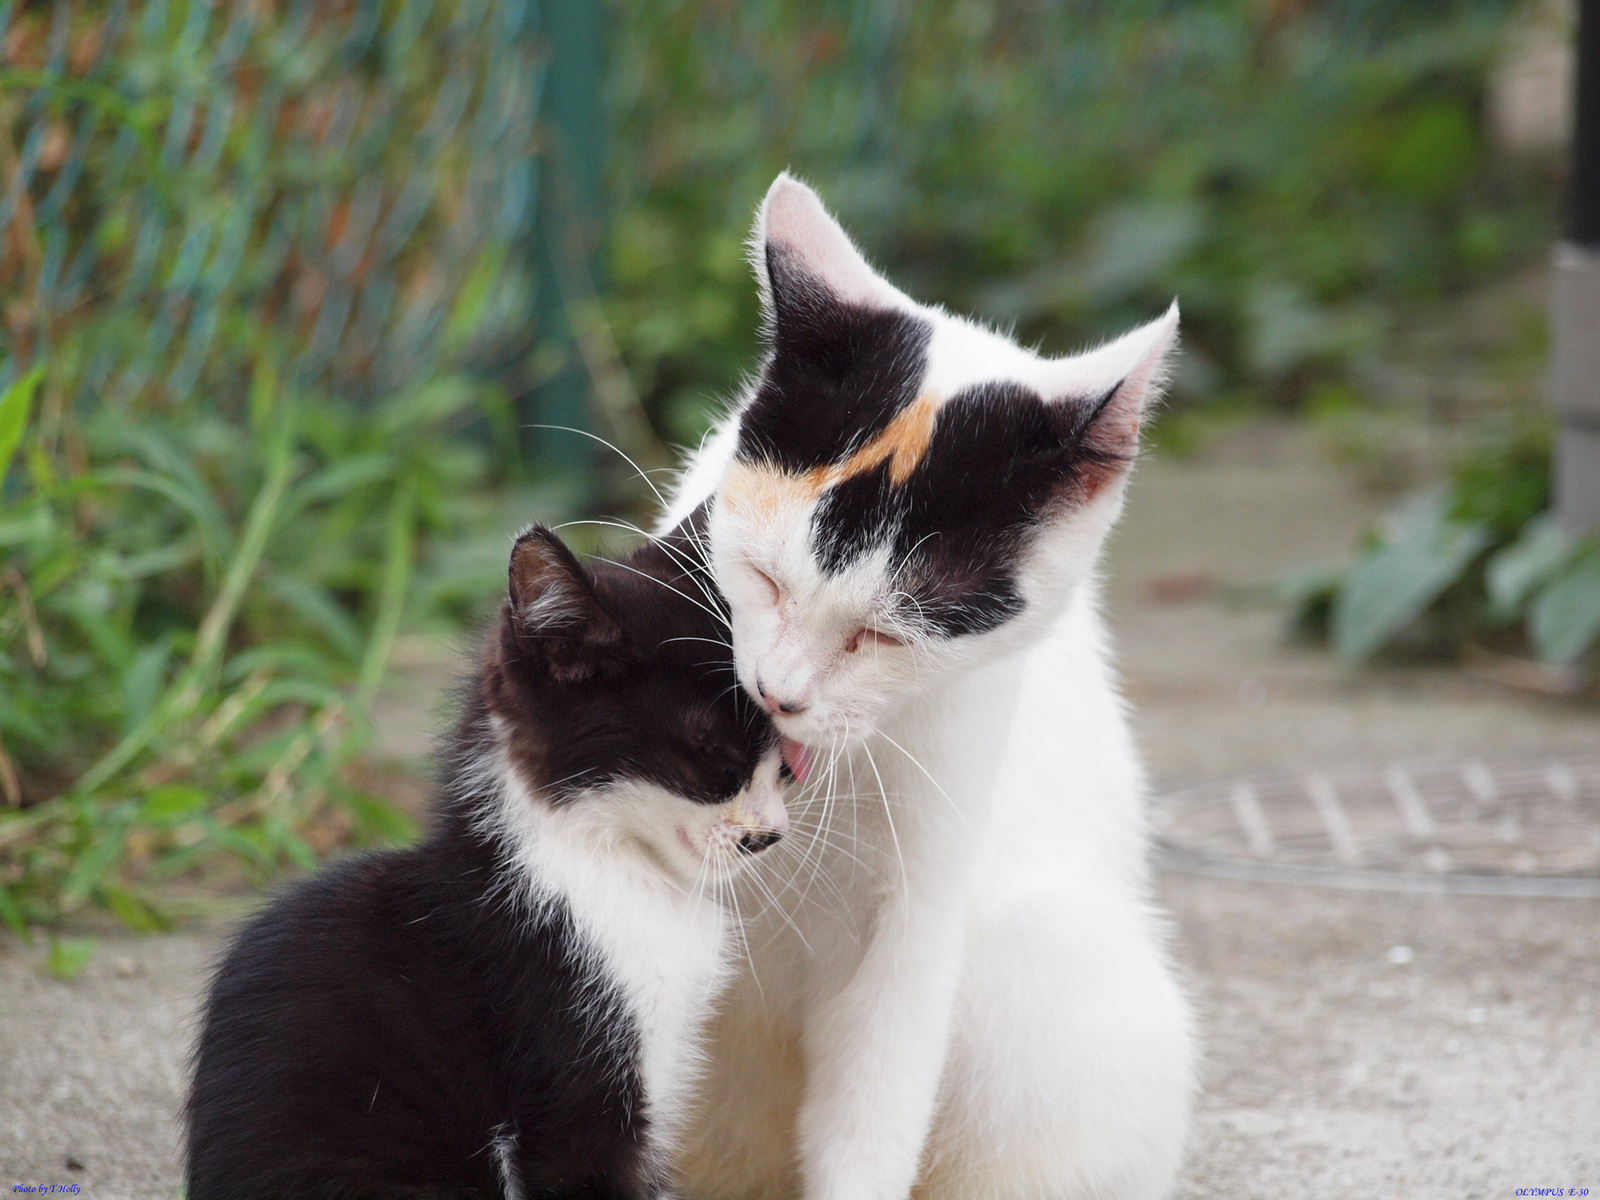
x: 1369, y: 1045
x: 91, y: 1071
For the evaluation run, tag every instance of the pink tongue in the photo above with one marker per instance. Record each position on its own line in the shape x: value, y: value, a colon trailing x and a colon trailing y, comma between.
x: 797, y: 757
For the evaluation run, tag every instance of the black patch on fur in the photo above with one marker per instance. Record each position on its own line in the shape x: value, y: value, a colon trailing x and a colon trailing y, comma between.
x: 385, y: 1028
x: 645, y: 703
x: 369, y: 1034
x: 998, y: 459
x: 837, y: 375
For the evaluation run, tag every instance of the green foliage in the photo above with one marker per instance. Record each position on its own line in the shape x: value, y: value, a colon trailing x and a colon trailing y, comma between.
x: 1505, y: 484
x: 256, y: 261
x: 1309, y: 179
x: 202, y: 615
x: 1401, y: 577
x: 70, y: 955
x: 188, y: 180
x: 1565, y: 618
x: 15, y: 403
x: 1480, y: 563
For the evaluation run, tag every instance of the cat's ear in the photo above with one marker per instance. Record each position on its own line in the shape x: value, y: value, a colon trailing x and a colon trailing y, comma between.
x: 796, y: 246
x: 556, y: 616
x: 1111, y: 390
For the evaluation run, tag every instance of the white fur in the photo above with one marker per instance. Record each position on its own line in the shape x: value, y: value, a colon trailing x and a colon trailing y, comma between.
x: 505, y: 1157
x: 644, y: 874
x: 962, y: 991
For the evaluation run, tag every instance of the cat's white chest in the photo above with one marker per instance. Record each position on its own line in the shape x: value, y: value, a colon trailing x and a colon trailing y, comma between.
x: 659, y: 946
x: 664, y: 952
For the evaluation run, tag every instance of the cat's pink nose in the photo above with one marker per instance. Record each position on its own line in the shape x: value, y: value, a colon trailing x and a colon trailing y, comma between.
x: 789, y: 707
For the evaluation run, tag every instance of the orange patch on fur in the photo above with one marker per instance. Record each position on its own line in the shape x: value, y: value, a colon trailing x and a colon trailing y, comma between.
x: 903, y: 442
x: 761, y: 490
x: 755, y: 490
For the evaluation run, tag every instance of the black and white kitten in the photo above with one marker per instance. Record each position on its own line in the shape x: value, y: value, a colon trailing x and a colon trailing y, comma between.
x: 511, y: 1009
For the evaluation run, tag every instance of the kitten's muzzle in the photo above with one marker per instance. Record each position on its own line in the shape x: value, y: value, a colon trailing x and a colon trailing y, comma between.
x: 756, y: 842
x: 759, y: 818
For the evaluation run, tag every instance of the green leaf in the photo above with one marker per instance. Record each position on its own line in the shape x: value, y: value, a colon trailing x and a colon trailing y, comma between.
x: 1396, y: 583
x: 70, y: 955
x: 242, y: 845
x: 391, y: 594
x: 94, y: 863
x: 208, y: 519
x: 418, y: 409
x: 316, y: 606
x: 11, y: 914
x: 339, y: 479
x: 294, y: 846
x: 1517, y: 571
x: 380, y: 818
x: 1565, y: 619
x: 16, y: 402
x: 172, y: 803
x: 138, y: 915
x: 1312, y: 585
x: 142, y: 682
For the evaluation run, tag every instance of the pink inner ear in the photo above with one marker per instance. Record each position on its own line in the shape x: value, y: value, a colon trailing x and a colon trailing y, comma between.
x: 1136, y: 364
x: 793, y: 218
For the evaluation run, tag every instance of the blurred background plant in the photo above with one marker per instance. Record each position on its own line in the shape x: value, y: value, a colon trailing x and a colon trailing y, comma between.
x: 275, y: 305
x: 1477, y: 566
x: 1318, y: 182
x: 260, y: 265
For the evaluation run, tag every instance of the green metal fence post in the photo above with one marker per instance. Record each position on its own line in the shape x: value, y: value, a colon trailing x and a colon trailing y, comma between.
x: 1575, y: 368
x: 568, y: 230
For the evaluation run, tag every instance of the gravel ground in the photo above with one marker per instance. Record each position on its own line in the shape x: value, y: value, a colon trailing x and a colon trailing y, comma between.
x: 1358, y: 1044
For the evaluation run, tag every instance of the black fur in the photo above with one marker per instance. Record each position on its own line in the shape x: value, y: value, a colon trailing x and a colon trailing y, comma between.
x: 838, y: 373
x: 401, y: 1025
x: 1000, y: 458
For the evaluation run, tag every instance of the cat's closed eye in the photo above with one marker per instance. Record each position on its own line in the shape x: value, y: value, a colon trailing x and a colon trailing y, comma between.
x: 774, y: 592
x: 871, y: 639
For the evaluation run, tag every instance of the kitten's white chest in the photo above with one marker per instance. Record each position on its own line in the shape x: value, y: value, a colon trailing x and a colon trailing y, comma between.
x: 664, y: 952
x: 661, y: 947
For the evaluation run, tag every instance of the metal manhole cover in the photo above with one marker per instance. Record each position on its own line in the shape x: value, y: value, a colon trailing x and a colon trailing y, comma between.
x: 1509, y: 826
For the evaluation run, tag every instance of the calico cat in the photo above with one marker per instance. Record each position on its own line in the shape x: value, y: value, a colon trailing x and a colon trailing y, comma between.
x: 510, y: 1008
x: 966, y: 991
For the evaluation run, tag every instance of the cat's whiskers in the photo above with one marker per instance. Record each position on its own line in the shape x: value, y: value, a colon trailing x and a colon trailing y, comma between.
x: 713, y: 613
x: 699, y: 543
x: 772, y: 903
x: 693, y: 571
x: 956, y: 808
x: 643, y: 475
x: 728, y: 895
x: 829, y: 788
x: 696, y: 571
x: 821, y: 836
x: 883, y: 792
x: 855, y: 807
x: 799, y: 841
x: 810, y: 846
x: 707, y: 641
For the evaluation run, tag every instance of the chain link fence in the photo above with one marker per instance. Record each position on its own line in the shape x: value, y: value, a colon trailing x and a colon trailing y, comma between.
x: 261, y: 261
x: 348, y: 185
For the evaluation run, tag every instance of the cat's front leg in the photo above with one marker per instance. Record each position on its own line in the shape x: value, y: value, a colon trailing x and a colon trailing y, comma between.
x: 874, y: 1053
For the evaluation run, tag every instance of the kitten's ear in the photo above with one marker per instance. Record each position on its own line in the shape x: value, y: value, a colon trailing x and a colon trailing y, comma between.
x: 797, y: 245
x: 1113, y: 388
x: 555, y: 614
